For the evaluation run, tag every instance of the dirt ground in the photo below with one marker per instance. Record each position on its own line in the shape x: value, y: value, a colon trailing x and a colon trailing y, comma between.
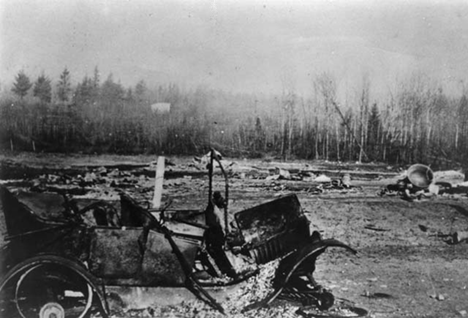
x: 404, y: 266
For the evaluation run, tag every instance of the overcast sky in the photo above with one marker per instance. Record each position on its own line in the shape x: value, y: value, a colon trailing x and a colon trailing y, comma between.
x: 236, y: 45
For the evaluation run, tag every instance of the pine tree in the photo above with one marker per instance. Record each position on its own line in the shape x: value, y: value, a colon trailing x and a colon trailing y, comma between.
x: 96, y: 83
x: 96, y: 78
x: 64, y: 86
x: 43, y: 89
x: 112, y: 93
x: 22, y: 85
x: 84, y: 92
x: 129, y: 95
x: 140, y: 90
x: 373, y: 129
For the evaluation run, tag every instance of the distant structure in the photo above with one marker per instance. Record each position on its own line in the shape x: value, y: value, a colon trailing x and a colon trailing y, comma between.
x: 162, y: 108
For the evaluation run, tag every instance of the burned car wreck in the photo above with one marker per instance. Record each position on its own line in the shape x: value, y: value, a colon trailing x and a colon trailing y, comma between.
x: 62, y: 268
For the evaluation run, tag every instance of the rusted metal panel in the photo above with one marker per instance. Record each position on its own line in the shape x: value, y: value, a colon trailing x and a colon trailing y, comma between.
x: 280, y: 244
x: 19, y: 218
x: 273, y: 229
x: 116, y: 253
x: 266, y: 220
x: 46, y: 205
x: 160, y: 265
x: 188, y: 230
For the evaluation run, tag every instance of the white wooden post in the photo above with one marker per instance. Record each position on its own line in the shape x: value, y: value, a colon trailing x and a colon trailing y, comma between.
x: 158, y: 183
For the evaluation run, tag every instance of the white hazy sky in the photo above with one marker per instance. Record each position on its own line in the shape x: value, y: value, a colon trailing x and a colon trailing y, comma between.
x: 240, y: 45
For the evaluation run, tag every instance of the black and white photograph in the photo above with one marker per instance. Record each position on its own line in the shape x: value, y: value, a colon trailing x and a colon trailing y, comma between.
x: 222, y: 158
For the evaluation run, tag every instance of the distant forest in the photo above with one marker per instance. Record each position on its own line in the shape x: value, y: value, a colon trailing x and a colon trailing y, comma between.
x: 417, y: 122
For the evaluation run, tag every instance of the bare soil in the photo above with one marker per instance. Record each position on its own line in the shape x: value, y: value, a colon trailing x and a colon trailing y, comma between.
x: 404, y: 267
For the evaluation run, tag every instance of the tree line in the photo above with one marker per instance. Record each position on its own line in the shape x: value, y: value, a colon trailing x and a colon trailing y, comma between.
x: 416, y: 122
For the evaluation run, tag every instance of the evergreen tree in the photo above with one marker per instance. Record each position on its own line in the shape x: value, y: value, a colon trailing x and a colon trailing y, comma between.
x: 112, y: 93
x: 96, y: 78
x: 140, y: 90
x: 129, y: 95
x: 84, y: 92
x: 43, y: 89
x: 64, y: 86
x: 96, y: 84
x: 373, y: 129
x: 374, y: 122
x: 463, y: 129
x: 21, y: 85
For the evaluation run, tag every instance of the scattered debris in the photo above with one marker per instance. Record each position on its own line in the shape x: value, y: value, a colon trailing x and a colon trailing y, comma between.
x: 323, y: 178
x: 438, y: 296
x: 344, y: 309
x: 423, y: 228
x: 346, y: 180
x: 433, y: 189
x: 451, y: 238
x: 450, y: 175
x: 273, y: 177
x: 460, y: 236
x: 283, y: 174
x: 377, y: 295
x: 375, y: 228
x: 415, y: 184
x: 420, y: 182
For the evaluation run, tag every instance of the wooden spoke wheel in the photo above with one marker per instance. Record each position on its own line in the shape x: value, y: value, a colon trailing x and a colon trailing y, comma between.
x: 52, y: 291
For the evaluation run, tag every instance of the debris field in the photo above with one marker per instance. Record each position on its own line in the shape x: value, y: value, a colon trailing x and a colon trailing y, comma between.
x: 412, y: 256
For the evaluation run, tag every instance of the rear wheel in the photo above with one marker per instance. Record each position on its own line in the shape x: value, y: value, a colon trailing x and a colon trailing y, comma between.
x: 47, y: 291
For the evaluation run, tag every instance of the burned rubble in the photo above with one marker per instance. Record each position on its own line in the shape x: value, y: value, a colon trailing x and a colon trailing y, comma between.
x: 97, y: 198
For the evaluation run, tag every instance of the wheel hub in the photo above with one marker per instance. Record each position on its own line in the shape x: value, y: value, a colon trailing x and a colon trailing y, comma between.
x: 52, y: 310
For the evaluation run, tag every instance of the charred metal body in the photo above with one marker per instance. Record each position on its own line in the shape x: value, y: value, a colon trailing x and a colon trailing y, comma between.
x: 61, y: 268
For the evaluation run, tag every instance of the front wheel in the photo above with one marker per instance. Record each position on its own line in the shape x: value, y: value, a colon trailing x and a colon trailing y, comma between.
x: 325, y: 300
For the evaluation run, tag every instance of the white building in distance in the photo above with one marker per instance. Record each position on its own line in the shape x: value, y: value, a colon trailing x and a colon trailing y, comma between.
x: 161, y: 108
